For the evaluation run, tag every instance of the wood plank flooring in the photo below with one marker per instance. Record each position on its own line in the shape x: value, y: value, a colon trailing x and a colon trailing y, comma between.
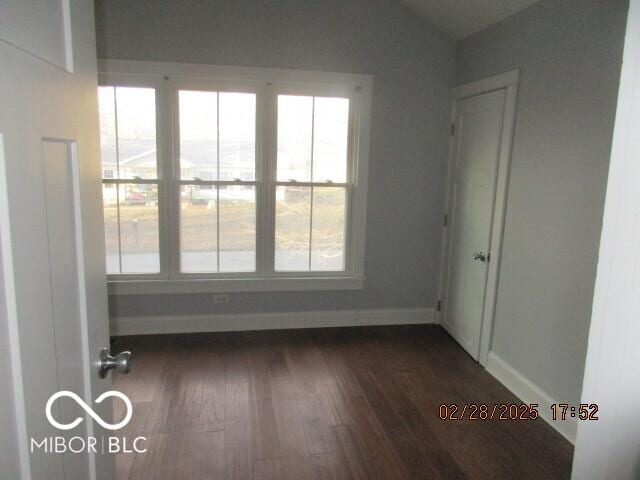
x: 345, y: 403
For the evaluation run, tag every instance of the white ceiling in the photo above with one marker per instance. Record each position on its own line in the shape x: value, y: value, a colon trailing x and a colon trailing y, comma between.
x: 461, y: 18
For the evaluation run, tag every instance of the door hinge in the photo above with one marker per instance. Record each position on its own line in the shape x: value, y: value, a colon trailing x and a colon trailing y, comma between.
x: 439, y: 306
x: 453, y: 128
x: 446, y: 219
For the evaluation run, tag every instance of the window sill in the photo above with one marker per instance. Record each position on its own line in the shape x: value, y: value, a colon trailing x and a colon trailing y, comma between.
x: 230, y: 285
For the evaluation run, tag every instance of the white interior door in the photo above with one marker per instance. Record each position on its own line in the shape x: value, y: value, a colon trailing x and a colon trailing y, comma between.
x: 478, y: 135
x: 54, y: 309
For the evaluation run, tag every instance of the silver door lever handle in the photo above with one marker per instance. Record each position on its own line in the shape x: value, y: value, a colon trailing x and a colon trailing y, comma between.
x: 120, y: 363
x: 483, y: 257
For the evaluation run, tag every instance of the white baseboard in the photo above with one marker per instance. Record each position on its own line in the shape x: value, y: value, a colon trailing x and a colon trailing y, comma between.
x: 268, y: 321
x: 528, y: 392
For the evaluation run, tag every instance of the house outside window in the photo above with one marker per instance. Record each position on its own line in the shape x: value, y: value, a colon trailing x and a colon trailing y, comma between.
x: 223, y: 178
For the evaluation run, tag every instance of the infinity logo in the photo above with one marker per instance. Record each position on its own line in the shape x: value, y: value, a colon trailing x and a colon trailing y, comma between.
x: 89, y: 410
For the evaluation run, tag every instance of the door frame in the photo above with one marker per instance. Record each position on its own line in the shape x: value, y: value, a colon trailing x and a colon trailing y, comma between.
x: 507, y: 81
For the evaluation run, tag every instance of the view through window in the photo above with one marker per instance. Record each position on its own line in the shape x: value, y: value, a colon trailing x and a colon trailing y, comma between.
x: 217, y: 186
x: 241, y: 192
x: 130, y: 179
x: 311, y: 183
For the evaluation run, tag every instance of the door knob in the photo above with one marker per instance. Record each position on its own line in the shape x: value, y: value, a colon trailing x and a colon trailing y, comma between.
x: 483, y: 257
x: 120, y: 362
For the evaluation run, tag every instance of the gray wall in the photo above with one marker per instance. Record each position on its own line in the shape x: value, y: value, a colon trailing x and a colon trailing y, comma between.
x: 569, y: 53
x: 413, y: 68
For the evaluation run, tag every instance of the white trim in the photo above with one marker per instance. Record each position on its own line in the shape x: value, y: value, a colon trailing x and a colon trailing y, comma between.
x: 266, y: 83
x: 495, y: 82
x: 269, y: 321
x: 444, y: 249
x: 357, y: 216
x: 497, y: 228
x: 509, y: 82
x: 68, y: 36
x: 270, y: 284
x: 529, y: 392
x: 87, y: 357
x: 256, y: 74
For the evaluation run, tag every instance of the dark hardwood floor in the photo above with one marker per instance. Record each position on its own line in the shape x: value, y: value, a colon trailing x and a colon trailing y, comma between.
x: 357, y: 403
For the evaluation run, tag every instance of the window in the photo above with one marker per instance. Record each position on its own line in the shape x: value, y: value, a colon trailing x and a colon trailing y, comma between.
x: 130, y: 180
x: 232, y: 179
x: 311, y: 186
x: 217, y: 181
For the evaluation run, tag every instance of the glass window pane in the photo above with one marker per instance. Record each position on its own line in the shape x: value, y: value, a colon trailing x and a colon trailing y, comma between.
x: 328, y: 229
x: 237, y: 228
x: 294, y: 138
x: 237, y: 136
x: 136, y: 133
x: 107, y: 108
x: 198, y: 135
x: 293, y: 222
x: 140, y: 249
x: 110, y: 205
x: 330, y: 135
x: 198, y: 229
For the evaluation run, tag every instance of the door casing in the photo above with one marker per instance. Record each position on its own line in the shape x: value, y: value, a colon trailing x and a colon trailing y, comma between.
x: 509, y: 82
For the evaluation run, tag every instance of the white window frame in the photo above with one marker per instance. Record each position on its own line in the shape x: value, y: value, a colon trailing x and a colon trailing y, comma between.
x: 167, y: 79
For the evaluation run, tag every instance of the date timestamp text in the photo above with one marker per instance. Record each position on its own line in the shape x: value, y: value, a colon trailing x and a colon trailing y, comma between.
x: 583, y: 411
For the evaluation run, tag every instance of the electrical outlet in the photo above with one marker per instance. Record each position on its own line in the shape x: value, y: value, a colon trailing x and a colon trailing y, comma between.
x: 221, y: 298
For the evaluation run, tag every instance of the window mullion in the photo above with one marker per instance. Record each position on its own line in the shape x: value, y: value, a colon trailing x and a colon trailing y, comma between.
x: 218, y: 178
x: 313, y: 116
x: 115, y: 114
x: 352, y: 229
x: 169, y: 198
x: 119, y: 235
x: 266, y: 131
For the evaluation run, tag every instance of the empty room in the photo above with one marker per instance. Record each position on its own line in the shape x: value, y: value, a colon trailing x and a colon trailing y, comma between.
x: 319, y: 239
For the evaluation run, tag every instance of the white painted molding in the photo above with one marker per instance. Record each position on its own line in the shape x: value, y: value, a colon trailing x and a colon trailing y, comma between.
x: 269, y: 321
x: 230, y: 285
x: 266, y: 84
x: 151, y: 68
x: 499, y: 219
x: 529, y: 392
x: 495, y: 82
x: 509, y: 82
